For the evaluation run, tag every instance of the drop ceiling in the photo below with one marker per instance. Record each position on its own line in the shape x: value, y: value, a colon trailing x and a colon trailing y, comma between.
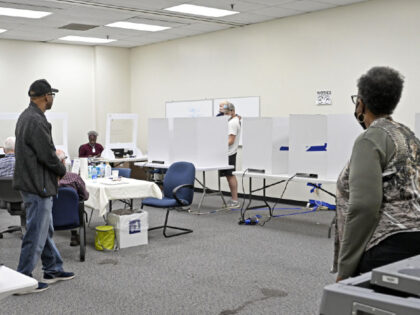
x: 98, y: 13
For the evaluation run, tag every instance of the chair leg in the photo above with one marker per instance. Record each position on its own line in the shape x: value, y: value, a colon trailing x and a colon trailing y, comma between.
x: 11, y: 229
x: 82, y: 234
x: 166, y: 226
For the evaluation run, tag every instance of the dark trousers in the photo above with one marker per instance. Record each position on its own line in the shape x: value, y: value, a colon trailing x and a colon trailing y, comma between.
x: 392, y: 249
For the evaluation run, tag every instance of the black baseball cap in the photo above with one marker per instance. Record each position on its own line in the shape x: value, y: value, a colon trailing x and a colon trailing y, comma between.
x: 40, y: 87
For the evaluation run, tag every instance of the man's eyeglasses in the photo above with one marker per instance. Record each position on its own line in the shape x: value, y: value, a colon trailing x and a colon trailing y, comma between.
x: 52, y: 94
x: 354, y: 99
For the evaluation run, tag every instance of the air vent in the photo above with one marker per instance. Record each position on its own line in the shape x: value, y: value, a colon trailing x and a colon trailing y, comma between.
x: 77, y: 27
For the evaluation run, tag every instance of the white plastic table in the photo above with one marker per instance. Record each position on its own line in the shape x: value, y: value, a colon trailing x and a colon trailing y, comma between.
x: 280, y: 178
x: 117, y: 161
x: 103, y: 190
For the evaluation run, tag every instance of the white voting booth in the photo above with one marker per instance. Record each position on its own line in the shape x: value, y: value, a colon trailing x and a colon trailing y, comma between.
x: 159, y: 142
x: 121, y: 133
x: 266, y: 144
x: 202, y: 141
x: 321, y: 144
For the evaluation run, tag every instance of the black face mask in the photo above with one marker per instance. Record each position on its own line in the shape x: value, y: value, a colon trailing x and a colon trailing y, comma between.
x: 360, y: 119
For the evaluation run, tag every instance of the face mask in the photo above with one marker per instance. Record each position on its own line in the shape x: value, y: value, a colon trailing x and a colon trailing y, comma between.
x: 360, y: 119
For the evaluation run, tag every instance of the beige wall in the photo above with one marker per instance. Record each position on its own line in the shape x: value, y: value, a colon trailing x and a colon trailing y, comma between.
x: 284, y: 61
x: 92, y: 82
x: 112, y: 85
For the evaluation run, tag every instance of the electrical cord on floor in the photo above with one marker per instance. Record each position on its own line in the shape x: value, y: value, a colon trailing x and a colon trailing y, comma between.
x: 281, y: 197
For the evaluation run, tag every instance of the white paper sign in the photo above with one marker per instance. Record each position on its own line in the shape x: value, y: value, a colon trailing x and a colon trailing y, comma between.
x: 76, y: 166
x: 323, y: 98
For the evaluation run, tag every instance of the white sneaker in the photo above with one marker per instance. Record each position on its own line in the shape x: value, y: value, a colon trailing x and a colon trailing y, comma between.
x: 233, y: 204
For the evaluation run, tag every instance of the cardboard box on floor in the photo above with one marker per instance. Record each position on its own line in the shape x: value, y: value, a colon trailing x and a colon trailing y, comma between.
x: 131, y: 228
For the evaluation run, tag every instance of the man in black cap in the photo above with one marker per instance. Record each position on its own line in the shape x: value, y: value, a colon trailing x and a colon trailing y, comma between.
x: 37, y: 171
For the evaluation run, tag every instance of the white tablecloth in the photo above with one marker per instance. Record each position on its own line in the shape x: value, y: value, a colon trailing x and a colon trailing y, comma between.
x: 102, y: 190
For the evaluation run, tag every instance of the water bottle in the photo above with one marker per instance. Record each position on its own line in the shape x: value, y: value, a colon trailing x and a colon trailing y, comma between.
x: 94, y: 174
x: 98, y: 171
x: 102, y: 170
x: 107, y: 170
x: 90, y: 171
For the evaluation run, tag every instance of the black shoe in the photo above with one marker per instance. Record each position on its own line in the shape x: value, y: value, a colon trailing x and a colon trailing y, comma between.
x: 41, y: 287
x: 59, y: 276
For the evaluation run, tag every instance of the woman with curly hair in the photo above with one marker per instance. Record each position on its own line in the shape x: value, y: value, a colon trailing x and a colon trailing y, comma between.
x: 378, y: 192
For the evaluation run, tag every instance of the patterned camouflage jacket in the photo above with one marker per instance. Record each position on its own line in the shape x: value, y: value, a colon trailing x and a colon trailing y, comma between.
x: 400, y: 209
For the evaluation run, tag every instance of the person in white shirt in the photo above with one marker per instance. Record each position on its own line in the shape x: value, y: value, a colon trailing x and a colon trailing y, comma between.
x: 234, y: 128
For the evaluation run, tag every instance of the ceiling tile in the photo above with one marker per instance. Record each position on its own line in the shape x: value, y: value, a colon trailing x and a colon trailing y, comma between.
x: 240, y: 6
x: 306, y: 5
x: 250, y: 18
x: 341, y: 2
x: 278, y: 12
x: 102, y: 12
x: 269, y: 2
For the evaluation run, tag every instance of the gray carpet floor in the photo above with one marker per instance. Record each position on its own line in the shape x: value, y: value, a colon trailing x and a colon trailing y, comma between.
x: 221, y: 268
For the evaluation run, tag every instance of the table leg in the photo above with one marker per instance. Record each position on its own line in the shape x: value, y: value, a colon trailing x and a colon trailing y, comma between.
x: 208, y: 192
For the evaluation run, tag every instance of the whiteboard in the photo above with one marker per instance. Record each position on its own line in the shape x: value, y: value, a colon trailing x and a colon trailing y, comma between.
x: 184, y: 109
x: 244, y: 106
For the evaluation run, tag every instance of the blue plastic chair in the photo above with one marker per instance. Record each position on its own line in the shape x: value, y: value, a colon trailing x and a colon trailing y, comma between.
x: 123, y: 172
x: 69, y: 213
x: 178, y: 191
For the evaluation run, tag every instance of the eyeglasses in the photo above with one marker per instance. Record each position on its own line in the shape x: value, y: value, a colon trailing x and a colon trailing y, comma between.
x: 354, y: 99
x: 52, y: 94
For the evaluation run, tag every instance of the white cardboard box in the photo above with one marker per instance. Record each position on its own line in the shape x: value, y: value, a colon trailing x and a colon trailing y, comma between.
x: 130, y: 229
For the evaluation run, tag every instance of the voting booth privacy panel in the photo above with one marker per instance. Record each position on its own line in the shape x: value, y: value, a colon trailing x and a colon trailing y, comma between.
x: 266, y: 144
x: 315, y: 144
x: 321, y: 144
x: 201, y: 141
x: 121, y: 132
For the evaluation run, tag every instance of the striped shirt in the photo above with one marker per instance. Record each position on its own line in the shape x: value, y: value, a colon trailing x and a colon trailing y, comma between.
x: 76, y: 182
x: 7, y: 165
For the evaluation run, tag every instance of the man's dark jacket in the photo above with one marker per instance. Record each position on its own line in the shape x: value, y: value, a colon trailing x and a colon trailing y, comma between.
x: 37, y: 166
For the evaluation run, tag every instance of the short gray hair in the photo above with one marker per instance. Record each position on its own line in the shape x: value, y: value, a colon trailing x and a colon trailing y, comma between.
x: 229, y: 106
x: 9, y: 144
x: 60, y: 154
x: 92, y: 133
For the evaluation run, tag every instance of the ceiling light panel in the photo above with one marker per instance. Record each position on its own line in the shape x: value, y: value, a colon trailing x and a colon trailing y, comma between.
x: 138, y: 26
x: 93, y: 40
x: 29, y: 14
x: 200, y: 10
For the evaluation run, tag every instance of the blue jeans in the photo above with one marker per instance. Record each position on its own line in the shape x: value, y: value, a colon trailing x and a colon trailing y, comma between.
x: 37, y: 241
